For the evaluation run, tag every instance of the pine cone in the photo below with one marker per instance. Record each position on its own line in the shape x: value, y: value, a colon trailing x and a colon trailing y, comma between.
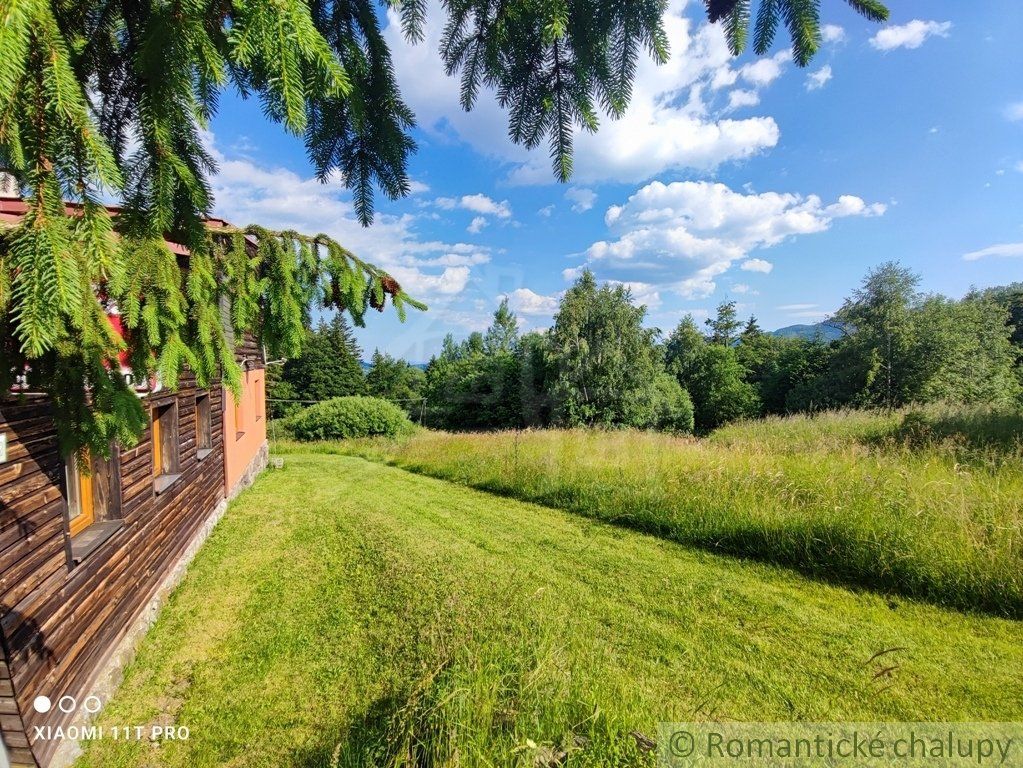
x: 390, y: 285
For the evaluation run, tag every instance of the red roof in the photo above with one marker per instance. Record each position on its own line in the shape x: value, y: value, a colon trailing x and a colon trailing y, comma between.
x: 13, y: 209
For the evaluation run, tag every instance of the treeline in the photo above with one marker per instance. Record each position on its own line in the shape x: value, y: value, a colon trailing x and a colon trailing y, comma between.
x: 331, y: 366
x: 599, y: 366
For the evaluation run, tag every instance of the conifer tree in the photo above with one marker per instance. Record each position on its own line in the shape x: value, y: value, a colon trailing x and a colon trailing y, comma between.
x: 396, y: 380
x: 110, y: 99
x: 330, y: 364
x: 800, y: 17
x: 725, y: 324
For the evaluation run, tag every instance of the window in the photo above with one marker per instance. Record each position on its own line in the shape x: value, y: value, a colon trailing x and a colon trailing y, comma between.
x: 165, y: 445
x: 93, y: 501
x: 203, y: 427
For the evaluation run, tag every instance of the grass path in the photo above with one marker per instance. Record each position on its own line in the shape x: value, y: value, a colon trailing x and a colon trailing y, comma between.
x: 353, y: 614
x: 815, y: 495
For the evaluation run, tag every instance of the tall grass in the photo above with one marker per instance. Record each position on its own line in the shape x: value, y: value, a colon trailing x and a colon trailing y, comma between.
x: 847, y: 497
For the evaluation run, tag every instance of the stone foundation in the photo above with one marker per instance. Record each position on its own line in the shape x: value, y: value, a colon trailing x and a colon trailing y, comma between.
x: 256, y: 466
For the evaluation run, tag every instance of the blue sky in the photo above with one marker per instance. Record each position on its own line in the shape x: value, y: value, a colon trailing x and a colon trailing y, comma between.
x: 749, y: 179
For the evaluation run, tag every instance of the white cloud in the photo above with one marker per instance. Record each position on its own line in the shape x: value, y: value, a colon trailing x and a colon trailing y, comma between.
x: 832, y: 33
x: 797, y: 307
x: 909, y: 35
x: 476, y: 225
x: 417, y: 187
x: 527, y: 302
x: 1019, y: 166
x: 742, y: 98
x: 477, y: 203
x: 643, y: 294
x: 818, y: 79
x: 687, y: 233
x: 850, y: 205
x: 666, y: 127
x: 546, y: 211
x: 757, y: 265
x: 454, y: 260
x: 742, y: 288
x: 1014, y: 112
x: 764, y: 71
x: 1005, y: 250
x: 279, y: 198
x: 451, y: 281
x: 582, y: 199
x: 483, y: 204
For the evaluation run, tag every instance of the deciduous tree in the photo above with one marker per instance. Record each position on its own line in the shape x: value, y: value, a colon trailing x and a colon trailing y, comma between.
x: 604, y: 360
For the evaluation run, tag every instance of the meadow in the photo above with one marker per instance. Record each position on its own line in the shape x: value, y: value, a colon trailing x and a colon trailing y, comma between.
x: 925, y: 504
x: 347, y: 613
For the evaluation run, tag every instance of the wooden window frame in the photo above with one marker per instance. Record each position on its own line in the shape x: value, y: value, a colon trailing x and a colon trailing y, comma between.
x: 165, y: 444
x: 80, y: 503
x: 203, y: 425
x: 93, y: 503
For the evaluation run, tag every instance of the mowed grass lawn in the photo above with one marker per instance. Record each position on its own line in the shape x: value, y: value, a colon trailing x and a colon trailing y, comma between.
x: 349, y: 613
x: 841, y: 497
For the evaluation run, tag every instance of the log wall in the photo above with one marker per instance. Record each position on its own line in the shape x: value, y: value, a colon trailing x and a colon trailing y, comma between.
x: 58, y: 622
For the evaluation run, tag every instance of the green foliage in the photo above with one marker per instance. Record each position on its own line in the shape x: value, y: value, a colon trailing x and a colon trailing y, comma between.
x: 1009, y: 297
x: 724, y: 326
x: 712, y: 375
x: 598, y: 365
x: 282, y: 397
x: 794, y: 366
x: 965, y: 352
x: 800, y: 17
x: 343, y: 418
x: 903, y: 347
x: 172, y: 316
x: 673, y: 408
x: 535, y: 379
x: 330, y: 364
x: 881, y: 314
x: 398, y: 381
x: 604, y: 361
x: 476, y: 384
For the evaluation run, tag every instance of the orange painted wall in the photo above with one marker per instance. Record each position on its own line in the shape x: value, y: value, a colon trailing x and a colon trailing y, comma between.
x: 244, y: 425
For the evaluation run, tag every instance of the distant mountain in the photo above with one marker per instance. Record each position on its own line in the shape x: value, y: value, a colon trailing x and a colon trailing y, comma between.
x: 825, y: 331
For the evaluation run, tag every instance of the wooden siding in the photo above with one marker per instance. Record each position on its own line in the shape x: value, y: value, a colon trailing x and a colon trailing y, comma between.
x: 249, y: 352
x: 58, y: 623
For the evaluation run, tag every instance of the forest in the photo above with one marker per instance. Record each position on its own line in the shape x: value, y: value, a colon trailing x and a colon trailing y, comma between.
x: 600, y: 365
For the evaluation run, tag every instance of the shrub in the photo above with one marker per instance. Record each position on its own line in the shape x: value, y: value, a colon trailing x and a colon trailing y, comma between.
x: 673, y: 410
x: 342, y: 418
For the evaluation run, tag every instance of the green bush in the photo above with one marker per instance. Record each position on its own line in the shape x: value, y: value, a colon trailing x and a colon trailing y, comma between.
x: 673, y: 410
x: 342, y: 418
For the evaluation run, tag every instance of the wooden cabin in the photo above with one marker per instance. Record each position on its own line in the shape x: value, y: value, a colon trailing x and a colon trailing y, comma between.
x: 86, y: 559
